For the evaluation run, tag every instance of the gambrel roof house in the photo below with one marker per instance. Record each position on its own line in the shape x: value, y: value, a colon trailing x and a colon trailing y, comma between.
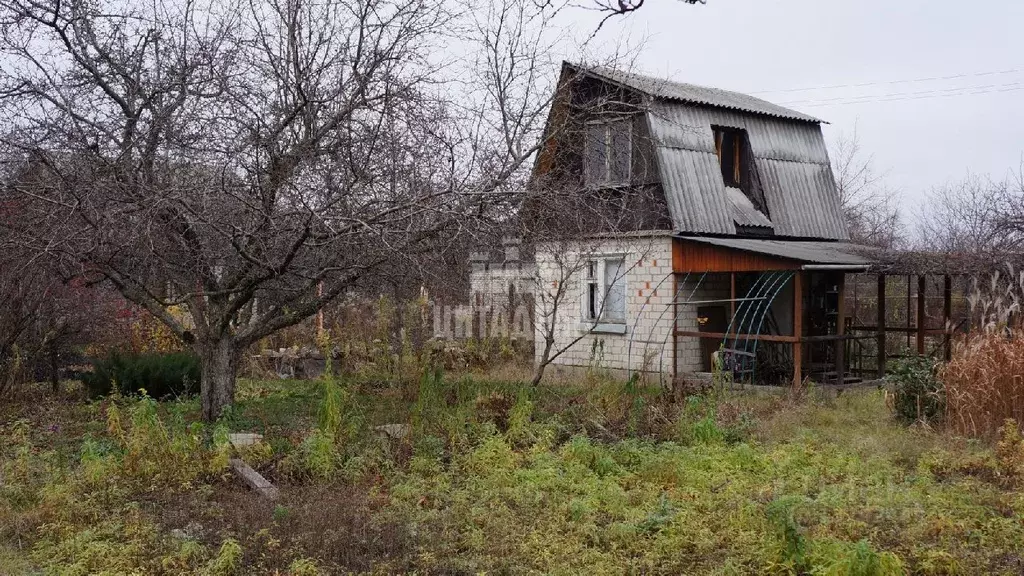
x: 745, y: 247
x: 782, y: 179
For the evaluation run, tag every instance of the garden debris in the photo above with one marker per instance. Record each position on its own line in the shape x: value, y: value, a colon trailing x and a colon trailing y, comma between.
x: 253, y: 478
x: 306, y: 362
x: 191, y: 531
x: 241, y: 440
x: 393, y: 431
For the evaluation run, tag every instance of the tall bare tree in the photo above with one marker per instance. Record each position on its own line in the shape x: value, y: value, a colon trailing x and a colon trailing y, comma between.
x: 44, y: 313
x: 869, y: 206
x: 976, y: 215
x: 248, y: 160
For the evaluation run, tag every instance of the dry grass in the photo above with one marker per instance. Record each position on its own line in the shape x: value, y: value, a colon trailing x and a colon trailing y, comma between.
x: 984, y: 380
x: 984, y: 383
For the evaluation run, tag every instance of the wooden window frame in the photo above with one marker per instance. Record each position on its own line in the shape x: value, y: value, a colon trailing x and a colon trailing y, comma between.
x: 741, y: 139
x: 606, y: 181
x: 594, y: 292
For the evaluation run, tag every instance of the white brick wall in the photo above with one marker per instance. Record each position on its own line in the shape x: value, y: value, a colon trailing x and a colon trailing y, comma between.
x: 649, y: 316
x: 492, y: 285
x: 697, y: 287
x: 649, y: 313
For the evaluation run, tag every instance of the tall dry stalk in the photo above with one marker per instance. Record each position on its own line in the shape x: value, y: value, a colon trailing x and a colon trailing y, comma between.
x: 984, y: 380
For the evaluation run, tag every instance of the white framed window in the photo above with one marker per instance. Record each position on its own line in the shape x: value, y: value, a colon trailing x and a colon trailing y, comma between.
x: 608, y: 152
x: 604, y: 290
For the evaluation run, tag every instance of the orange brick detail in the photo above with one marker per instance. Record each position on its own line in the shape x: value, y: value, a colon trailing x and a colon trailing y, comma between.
x: 640, y: 293
x: 648, y: 285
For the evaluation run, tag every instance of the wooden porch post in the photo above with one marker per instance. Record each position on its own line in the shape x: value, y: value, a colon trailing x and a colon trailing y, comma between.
x: 732, y: 296
x: 920, y: 314
x: 947, y: 314
x: 840, y: 350
x: 881, y: 326
x: 909, y: 304
x: 798, y: 327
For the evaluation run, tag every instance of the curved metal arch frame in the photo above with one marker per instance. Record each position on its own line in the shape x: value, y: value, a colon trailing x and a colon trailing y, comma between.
x: 761, y: 280
x: 757, y: 291
x: 759, y: 313
x: 764, y: 291
x: 673, y: 303
x: 753, y: 373
x: 636, y: 321
x: 759, y: 298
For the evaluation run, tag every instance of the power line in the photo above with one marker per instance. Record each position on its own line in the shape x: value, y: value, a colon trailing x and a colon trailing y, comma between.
x: 892, y: 82
x: 923, y: 97
x: 900, y: 95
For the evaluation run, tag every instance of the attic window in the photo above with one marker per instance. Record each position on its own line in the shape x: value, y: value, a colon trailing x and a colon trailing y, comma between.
x: 608, y: 152
x: 731, y: 146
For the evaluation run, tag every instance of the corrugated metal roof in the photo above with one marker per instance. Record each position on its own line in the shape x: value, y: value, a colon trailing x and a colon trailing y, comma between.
x: 807, y: 251
x: 668, y: 89
x: 791, y: 160
x: 743, y: 211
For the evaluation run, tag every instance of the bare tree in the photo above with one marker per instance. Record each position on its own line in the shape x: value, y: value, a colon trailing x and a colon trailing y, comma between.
x: 43, y: 313
x: 973, y: 216
x: 561, y: 287
x: 594, y: 185
x: 613, y: 8
x: 1011, y: 220
x: 869, y: 206
x: 248, y: 161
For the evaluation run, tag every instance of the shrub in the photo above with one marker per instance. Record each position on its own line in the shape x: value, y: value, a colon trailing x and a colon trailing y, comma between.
x: 917, y: 392
x: 1010, y: 452
x: 781, y: 514
x: 303, y: 567
x: 160, y: 375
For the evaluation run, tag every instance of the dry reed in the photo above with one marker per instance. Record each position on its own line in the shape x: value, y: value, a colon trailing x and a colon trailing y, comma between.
x: 984, y: 380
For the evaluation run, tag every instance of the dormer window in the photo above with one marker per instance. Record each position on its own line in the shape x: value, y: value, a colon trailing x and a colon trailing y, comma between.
x: 608, y: 152
x: 742, y: 189
x: 731, y: 147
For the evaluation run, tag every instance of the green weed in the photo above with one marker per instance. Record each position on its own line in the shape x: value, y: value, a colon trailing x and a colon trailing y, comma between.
x: 228, y: 561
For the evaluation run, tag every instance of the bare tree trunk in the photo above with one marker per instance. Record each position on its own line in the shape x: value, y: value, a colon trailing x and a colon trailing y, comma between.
x: 54, y: 368
x: 545, y: 359
x: 219, y: 360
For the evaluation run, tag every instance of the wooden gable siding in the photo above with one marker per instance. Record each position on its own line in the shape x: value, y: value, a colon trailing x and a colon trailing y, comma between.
x: 698, y: 257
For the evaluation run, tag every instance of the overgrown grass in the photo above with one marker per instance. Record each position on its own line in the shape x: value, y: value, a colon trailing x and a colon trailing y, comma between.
x: 493, y: 476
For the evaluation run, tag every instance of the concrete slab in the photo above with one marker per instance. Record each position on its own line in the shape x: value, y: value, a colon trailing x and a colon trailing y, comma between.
x: 254, y: 479
x: 243, y: 439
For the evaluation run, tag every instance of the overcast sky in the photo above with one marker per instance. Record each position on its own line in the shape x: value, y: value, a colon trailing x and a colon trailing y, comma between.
x: 921, y: 140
